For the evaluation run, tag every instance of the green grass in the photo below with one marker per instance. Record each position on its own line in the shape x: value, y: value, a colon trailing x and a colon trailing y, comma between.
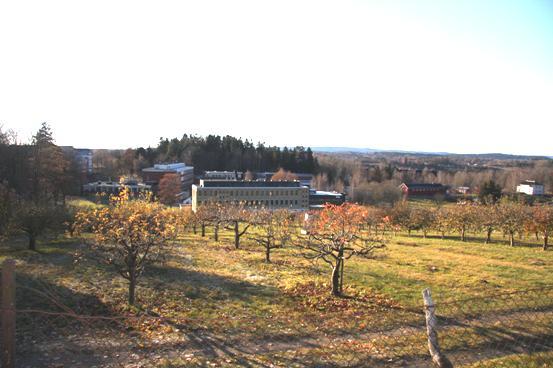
x: 244, y: 311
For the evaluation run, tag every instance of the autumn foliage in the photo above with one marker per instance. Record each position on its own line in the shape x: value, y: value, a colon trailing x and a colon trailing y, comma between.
x: 129, y: 234
x: 336, y: 234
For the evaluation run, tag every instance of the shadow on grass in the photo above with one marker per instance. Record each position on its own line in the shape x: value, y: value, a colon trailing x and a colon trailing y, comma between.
x: 196, y: 282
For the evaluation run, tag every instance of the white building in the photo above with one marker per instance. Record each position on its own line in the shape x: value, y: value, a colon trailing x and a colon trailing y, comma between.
x: 256, y: 194
x: 530, y: 187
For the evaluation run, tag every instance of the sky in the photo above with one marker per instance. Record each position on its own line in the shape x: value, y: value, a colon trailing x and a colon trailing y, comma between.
x: 449, y: 76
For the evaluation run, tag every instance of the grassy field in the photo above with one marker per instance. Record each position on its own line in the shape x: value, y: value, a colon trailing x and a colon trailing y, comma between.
x: 209, y: 304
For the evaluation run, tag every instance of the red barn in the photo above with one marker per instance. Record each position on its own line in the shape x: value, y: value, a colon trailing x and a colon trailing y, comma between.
x: 422, y: 189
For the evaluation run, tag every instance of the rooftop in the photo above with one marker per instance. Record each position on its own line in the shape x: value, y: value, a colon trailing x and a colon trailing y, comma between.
x: 248, y: 184
x: 167, y: 167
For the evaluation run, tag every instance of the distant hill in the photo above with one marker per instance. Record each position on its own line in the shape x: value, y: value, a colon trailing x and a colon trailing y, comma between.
x: 489, y: 156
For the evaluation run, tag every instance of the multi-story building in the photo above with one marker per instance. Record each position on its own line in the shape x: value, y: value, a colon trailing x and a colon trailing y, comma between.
x: 83, y: 156
x: 152, y: 175
x: 223, y: 175
x: 531, y: 187
x: 260, y: 194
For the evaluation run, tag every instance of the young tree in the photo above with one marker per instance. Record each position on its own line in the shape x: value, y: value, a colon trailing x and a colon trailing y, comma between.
x: 542, y: 218
x: 441, y: 221
x: 334, y: 235
x: 422, y: 219
x: 203, y: 217
x: 273, y: 229
x: 462, y: 218
x: 400, y: 216
x: 129, y: 235
x: 511, y: 217
x: 234, y: 216
x: 487, y: 219
x: 169, y: 188
x: 37, y: 219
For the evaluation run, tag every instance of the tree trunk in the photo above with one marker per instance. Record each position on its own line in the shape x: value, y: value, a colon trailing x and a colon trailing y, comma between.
x: 545, y: 241
x: 194, y: 229
x: 489, y: 236
x: 463, y: 236
x: 236, y: 235
x: 203, y: 230
x: 342, y: 277
x: 32, y: 242
x: 216, y: 232
x: 443, y: 235
x: 335, y: 281
x: 268, y: 253
x: 424, y: 234
x: 408, y: 232
x: 132, y: 288
x: 512, y: 239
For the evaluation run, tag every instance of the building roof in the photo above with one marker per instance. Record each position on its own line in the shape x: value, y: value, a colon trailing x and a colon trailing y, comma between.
x: 530, y: 182
x: 248, y: 184
x: 424, y: 185
x: 178, y: 166
x: 313, y: 192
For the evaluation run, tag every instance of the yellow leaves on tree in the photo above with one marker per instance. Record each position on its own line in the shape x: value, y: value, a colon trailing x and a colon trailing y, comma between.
x: 129, y: 234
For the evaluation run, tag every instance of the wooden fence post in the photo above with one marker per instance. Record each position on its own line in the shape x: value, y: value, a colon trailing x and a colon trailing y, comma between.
x: 8, y: 313
x: 439, y: 359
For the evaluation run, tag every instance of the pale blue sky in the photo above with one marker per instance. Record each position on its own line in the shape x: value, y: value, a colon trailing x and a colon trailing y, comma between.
x: 457, y: 76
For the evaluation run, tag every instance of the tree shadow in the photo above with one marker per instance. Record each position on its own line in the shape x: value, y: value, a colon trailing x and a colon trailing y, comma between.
x: 224, y: 287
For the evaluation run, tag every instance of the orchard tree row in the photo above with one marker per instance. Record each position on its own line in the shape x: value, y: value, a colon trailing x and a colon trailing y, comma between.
x: 507, y: 217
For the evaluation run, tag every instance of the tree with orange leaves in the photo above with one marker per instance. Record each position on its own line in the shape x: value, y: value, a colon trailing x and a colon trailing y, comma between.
x: 169, y: 188
x: 284, y: 175
x: 336, y: 234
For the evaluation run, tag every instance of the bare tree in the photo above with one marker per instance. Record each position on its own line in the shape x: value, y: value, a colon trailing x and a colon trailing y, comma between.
x: 273, y: 229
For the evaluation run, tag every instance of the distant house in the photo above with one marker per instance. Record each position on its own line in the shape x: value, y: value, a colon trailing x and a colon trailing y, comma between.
x: 422, y: 189
x: 531, y: 187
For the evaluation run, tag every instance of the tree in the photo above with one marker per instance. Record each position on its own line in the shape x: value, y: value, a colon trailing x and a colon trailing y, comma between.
x: 169, y: 188
x: 49, y: 166
x: 400, y: 216
x: 334, y: 235
x: 283, y: 175
x: 511, y: 217
x: 234, y: 216
x: 421, y: 219
x: 462, y: 218
x: 37, y: 219
x: 542, y: 218
x: 273, y: 229
x: 8, y: 204
x: 129, y: 235
x: 249, y: 176
x: 490, y: 192
x: 487, y: 219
